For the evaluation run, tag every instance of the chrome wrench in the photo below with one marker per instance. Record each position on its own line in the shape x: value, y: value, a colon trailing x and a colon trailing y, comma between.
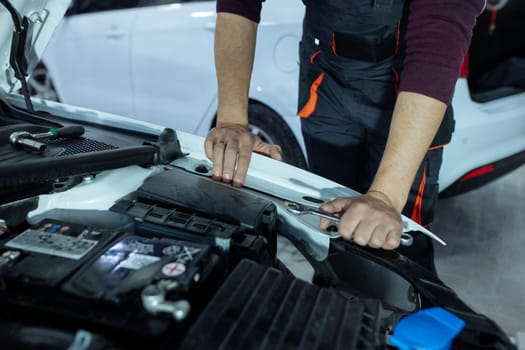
x: 406, y: 238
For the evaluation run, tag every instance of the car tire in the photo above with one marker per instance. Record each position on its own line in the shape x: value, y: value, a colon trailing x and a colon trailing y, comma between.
x: 41, y: 84
x: 271, y: 128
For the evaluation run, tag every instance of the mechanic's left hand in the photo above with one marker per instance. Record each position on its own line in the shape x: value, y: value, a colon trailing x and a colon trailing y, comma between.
x: 369, y: 219
x: 229, y: 146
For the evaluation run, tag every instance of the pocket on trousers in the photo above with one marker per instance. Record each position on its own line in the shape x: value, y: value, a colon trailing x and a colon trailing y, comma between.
x: 310, y: 80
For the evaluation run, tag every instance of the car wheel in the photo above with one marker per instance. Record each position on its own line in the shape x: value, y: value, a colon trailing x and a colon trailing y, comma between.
x: 271, y: 128
x: 41, y: 84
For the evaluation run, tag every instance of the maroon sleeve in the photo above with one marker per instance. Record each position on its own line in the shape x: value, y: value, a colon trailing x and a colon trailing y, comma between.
x: 250, y: 9
x: 438, y: 36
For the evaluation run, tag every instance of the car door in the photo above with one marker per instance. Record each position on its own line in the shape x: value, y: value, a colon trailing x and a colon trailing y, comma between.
x: 172, y: 63
x: 91, y: 47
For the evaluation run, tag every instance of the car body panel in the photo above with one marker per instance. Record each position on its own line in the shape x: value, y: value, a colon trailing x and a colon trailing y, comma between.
x: 172, y: 64
x: 484, y: 133
x: 172, y: 77
x: 110, y: 32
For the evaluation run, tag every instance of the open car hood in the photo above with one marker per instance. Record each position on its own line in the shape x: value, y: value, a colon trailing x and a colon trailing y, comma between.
x: 40, y: 18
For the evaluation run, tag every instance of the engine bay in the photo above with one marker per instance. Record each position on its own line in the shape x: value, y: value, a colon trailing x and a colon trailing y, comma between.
x: 118, y: 239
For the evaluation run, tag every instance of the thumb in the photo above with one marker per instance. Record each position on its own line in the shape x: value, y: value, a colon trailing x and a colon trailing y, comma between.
x: 267, y: 149
x: 276, y: 152
x: 336, y: 206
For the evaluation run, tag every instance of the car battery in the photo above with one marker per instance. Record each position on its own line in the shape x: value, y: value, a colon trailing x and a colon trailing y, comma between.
x: 180, y: 204
x: 132, y: 289
x: 48, y: 252
x: 134, y: 262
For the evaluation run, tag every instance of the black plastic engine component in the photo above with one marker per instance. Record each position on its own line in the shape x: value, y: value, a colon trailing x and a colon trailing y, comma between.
x: 259, y: 307
x: 181, y: 205
x: 405, y: 286
x: 17, y: 336
x: 179, y: 187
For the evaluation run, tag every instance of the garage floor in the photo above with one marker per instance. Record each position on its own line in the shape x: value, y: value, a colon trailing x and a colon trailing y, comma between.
x: 484, y: 261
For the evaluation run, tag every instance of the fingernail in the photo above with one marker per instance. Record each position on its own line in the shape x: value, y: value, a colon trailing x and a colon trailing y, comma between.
x: 226, y: 177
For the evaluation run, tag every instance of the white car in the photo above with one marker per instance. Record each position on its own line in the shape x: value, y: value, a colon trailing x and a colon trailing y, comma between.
x: 114, y: 236
x: 153, y: 61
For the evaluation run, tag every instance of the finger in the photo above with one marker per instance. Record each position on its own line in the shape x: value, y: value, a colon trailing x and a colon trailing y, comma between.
x: 230, y: 158
x: 378, y: 238
x: 363, y: 232
x: 218, y: 157
x: 243, y: 161
x: 208, y: 145
x: 349, y: 224
x: 336, y: 206
x: 392, y: 240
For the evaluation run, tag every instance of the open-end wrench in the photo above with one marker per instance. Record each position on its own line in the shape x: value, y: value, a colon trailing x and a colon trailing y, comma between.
x: 300, y: 209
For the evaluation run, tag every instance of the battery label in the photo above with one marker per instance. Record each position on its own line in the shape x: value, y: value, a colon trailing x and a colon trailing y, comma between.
x: 52, y: 243
x: 136, y: 261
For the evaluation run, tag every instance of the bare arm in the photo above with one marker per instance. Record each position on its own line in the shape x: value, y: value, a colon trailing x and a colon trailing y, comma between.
x: 415, y: 122
x: 234, y: 50
x: 229, y: 144
x: 437, y: 39
x: 374, y: 219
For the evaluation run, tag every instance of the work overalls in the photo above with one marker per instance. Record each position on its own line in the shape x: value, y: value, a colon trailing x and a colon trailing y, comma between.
x: 351, y: 55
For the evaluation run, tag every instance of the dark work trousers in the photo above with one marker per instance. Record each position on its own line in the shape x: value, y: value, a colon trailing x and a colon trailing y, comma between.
x: 346, y: 107
x: 355, y: 162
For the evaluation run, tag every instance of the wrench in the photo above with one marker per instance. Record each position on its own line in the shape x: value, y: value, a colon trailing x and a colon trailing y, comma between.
x: 28, y: 141
x: 299, y: 209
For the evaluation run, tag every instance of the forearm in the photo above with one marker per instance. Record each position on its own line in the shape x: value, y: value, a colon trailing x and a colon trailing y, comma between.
x: 234, y: 52
x: 438, y: 36
x: 415, y: 122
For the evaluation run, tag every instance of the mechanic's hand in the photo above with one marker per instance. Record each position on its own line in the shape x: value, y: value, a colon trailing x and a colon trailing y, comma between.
x: 370, y: 219
x: 229, y: 147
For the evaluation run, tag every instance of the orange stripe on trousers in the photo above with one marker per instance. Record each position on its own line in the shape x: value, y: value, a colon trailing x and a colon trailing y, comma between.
x: 309, y: 107
x: 418, y: 204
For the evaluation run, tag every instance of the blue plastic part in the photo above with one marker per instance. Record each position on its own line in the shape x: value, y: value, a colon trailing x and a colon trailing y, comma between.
x: 430, y: 329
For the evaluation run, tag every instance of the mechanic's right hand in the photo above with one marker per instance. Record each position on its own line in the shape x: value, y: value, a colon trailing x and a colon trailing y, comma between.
x: 229, y: 147
x: 369, y: 220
